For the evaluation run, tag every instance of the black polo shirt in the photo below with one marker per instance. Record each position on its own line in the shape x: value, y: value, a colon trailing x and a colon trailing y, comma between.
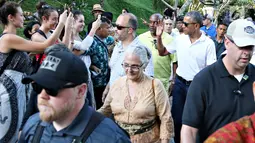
x: 216, y: 98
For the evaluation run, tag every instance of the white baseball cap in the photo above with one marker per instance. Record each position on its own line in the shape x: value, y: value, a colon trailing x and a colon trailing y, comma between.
x: 242, y: 32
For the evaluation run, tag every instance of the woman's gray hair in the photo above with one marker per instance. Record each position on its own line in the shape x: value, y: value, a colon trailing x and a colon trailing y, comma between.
x: 142, y: 52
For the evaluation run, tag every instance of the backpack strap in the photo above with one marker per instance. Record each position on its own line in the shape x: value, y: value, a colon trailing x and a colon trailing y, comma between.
x: 37, y: 64
x: 95, y: 119
x: 38, y: 133
x: 41, y: 33
x: 8, y: 59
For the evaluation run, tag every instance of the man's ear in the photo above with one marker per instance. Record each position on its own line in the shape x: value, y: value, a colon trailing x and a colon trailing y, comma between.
x: 82, y: 89
x: 226, y: 42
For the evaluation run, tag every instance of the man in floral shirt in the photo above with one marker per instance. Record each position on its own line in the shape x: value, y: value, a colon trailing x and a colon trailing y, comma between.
x: 99, y: 61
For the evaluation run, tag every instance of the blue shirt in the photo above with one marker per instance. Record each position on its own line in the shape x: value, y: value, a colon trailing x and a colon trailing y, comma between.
x: 106, y: 132
x: 211, y: 31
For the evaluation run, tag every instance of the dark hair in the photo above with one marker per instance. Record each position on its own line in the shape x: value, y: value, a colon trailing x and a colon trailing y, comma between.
x: 107, y: 15
x: 40, y: 4
x: 222, y: 23
x: 105, y: 20
x: 76, y: 13
x: 29, y: 28
x: 168, y: 12
x: 45, y: 10
x: 125, y: 10
x: 7, y: 8
x: 180, y: 18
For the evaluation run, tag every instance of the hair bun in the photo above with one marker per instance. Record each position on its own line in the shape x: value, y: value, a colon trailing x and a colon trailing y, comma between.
x: 2, y: 2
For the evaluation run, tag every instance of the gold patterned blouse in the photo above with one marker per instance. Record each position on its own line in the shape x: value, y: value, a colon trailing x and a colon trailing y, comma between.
x: 141, y: 108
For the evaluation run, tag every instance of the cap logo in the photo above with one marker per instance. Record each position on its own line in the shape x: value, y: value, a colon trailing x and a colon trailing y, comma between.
x: 50, y: 63
x: 249, y: 30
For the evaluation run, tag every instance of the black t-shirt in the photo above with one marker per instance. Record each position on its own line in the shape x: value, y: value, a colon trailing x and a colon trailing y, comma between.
x: 89, y: 26
x: 216, y: 98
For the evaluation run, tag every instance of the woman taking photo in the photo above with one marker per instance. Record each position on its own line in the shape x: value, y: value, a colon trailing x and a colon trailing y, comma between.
x: 14, y: 64
x: 80, y: 46
x: 49, y: 20
x: 138, y: 102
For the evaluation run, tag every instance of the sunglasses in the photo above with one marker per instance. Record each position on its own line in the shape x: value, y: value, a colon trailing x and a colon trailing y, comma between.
x: 120, y: 27
x: 187, y: 24
x: 52, y: 92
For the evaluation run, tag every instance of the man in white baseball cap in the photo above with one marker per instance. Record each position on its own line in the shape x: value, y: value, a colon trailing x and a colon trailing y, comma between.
x: 221, y: 93
x: 241, y: 32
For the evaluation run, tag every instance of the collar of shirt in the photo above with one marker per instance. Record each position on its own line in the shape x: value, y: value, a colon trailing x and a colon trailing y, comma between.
x: 215, y: 40
x: 224, y: 72
x: 120, y: 47
x: 202, y: 38
x: 148, y: 35
x: 79, y: 123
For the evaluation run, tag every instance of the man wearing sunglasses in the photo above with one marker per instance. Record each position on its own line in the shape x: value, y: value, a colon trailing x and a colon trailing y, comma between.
x: 194, y: 51
x: 64, y: 115
x: 125, y: 31
x: 222, y: 93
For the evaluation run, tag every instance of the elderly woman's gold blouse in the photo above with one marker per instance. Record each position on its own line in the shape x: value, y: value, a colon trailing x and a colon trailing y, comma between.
x: 142, y: 107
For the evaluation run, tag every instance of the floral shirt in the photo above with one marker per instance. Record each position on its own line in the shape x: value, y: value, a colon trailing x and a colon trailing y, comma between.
x: 99, y: 57
x: 241, y: 131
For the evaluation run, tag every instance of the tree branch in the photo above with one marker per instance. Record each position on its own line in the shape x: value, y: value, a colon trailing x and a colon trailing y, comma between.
x: 220, y: 9
x: 168, y: 5
x: 184, y: 7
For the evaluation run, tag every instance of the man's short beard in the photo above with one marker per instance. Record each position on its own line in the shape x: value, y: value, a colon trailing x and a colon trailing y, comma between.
x: 53, y: 115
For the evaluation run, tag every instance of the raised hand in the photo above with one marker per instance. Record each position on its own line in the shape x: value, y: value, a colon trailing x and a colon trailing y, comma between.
x: 63, y: 17
x: 145, y: 22
x: 160, y: 28
x: 69, y: 21
x: 96, y: 24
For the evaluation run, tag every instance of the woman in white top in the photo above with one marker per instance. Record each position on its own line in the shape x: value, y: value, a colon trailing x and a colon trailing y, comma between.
x: 80, y: 46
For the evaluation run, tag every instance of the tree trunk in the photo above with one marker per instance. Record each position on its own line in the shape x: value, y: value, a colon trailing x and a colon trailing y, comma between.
x: 184, y: 7
x: 102, y: 3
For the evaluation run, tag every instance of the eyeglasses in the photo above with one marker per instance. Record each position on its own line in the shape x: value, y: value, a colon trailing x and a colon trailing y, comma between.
x: 132, y: 67
x: 187, y: 24
x: 52, y: 92
x: 120, y: 27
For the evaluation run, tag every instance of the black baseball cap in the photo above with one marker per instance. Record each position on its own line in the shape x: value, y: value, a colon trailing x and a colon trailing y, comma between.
x: 58, y: 69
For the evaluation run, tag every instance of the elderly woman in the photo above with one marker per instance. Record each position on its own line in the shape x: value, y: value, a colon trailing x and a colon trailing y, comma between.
x: 138, y: 102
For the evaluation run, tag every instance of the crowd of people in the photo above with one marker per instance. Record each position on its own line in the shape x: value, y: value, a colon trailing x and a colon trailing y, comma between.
x: 184, y: 80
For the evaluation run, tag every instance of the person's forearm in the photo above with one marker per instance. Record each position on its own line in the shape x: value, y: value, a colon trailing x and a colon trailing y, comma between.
x: 160, y: 46
x: 188, y: 134
x: 67, y: 38
x: 174, y: 70
x: 92, y: 32
x: 55, y: 35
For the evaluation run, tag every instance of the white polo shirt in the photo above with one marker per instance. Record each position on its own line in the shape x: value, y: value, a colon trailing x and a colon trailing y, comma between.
x: 192, y: 57
x: 117, y: 58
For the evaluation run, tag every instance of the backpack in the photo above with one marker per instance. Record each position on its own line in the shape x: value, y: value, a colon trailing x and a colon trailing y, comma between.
x: 36, y: 63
